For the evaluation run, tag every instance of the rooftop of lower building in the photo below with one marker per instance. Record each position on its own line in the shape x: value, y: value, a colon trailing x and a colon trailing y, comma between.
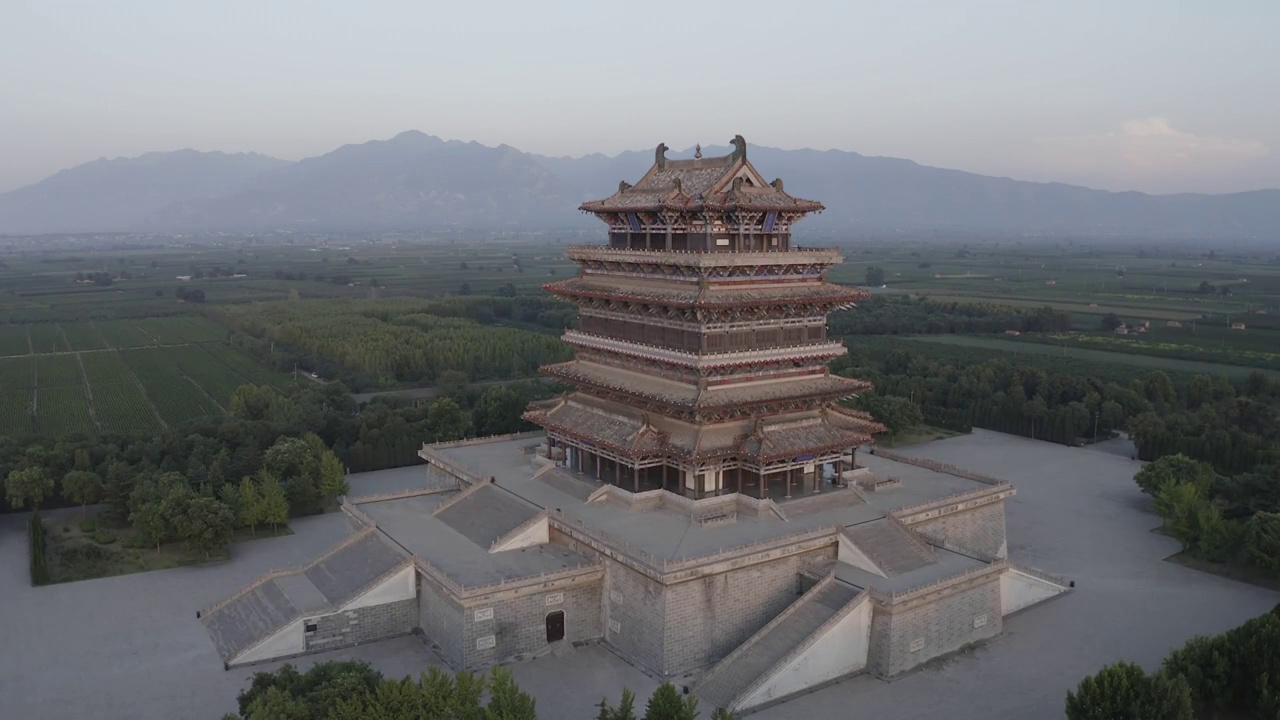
x: 665, y: 534
x: 457, y: 540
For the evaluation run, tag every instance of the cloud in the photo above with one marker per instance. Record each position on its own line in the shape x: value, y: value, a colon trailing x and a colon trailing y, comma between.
x: 1149, y: 151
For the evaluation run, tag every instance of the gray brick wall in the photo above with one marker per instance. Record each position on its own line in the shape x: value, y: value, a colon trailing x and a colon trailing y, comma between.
x: 981, y: 529
x: 635, y: 616
x: 440, y: 619
x: 366, y: 624
x: 518, y: 625
x: 903, y: 640
x: 707, y: 618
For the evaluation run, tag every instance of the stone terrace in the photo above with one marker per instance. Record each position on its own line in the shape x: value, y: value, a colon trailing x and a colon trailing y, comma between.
x: 672, y: 536
x: 131, y: 647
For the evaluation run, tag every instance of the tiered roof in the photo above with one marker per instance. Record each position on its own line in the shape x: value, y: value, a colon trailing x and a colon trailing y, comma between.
x: 687, y: 396
x: 710, y: 297
x: 719, y: 184
x: 758, y: 440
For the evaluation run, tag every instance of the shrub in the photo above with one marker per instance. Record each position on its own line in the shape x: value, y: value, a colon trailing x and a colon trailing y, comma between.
x: 36, y: 544
x: 104, y: 537
x: 66, y: 528
x: 88, y: 526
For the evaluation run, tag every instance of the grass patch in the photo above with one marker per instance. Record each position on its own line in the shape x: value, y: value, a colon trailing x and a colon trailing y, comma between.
x: 77, y: 555
x: 1249, y: 575
x: 915, y: 435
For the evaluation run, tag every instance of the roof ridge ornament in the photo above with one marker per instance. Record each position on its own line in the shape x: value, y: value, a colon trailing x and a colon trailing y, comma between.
x: 739, y: 149
x: 623, y: 186
x: 697, y: 152
x: 660, y: 156
x: 777, y: 184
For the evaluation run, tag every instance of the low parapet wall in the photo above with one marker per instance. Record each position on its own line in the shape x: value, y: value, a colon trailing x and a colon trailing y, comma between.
x: 936, y: 466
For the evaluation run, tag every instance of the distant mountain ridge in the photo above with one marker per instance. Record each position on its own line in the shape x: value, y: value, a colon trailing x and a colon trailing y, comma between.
x: 123, y: 193
x: 415, y: 180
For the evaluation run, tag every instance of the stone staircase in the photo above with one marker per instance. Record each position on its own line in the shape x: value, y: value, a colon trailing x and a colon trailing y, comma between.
x: 727, y: 684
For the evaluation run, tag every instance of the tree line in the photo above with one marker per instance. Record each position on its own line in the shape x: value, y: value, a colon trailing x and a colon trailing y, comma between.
x: 1233, y: 674
x: 887, y: 315
x: 304, y: 439
x: 350, y: 690
x: 383, y: 343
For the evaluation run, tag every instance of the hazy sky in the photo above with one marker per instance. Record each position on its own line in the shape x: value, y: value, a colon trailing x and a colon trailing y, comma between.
x: 1155, y: 95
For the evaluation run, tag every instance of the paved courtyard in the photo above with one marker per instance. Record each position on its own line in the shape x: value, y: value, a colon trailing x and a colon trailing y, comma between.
x: 130, y: 647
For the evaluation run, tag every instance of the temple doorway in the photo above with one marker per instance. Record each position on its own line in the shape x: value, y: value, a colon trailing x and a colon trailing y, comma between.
x: 555, y: 626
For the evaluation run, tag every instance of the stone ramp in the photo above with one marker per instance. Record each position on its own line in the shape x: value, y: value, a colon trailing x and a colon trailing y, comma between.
x: 892, y: 547
x: 567, y: 484
x: 733, y: 677
x: 341, y: 575
x: 325, y: 584
x: 249, y: 618
x: 486, y: 514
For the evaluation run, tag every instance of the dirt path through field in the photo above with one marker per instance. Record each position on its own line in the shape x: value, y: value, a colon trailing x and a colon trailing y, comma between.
x: 88, y: 391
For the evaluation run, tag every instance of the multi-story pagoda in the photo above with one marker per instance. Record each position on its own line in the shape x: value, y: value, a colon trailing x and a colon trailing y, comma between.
x: 702, y: 345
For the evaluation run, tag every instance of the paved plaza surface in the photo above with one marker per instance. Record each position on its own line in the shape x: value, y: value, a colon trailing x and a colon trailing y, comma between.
x: 130, y: 646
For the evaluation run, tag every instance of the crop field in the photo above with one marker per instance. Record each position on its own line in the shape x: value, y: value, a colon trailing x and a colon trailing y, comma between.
x: 13, y: 340
x: 63, y: 410
x: 83, y: 336
x: 16, y: 383
x: 168, y: 376
x: 47, y: 338
x: 1147, y: 362
x: 125, y: 391
x: 118, y: 405
x: 122, y: 333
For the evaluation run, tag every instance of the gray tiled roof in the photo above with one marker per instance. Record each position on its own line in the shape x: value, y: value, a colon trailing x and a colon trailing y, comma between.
x: 245, y: 621
x: 486, y: 515
x: 340, y: 576
x: 702, y: 183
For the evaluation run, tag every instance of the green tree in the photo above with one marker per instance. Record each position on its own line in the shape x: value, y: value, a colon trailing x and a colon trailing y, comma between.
x: 205, y: 525
x: 333, y: 479
x: 666, y: 704
x: 295, y: 463
x: 1215, y: 537
x: 82, y: 462
x: 275, y: 505
x: 81, y: 487
x: 445, y: 421
x: 1262, y: 541
x: 1124, y: 692
x: 1175, y: 469
x: 248, y: 504
x: 896, y: 413
x: 151, y: 523
x: 1179, y: 504
x: 28, y: 486
x: 506, y: 700
x: 875, y: 276
x: 498, y: 411
x: 1110, y: 322
x: 624, y: 711
x: 452, y: 384
x: 118, y: 488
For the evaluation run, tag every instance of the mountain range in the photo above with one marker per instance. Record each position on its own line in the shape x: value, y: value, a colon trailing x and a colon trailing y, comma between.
x: 415, y: 180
